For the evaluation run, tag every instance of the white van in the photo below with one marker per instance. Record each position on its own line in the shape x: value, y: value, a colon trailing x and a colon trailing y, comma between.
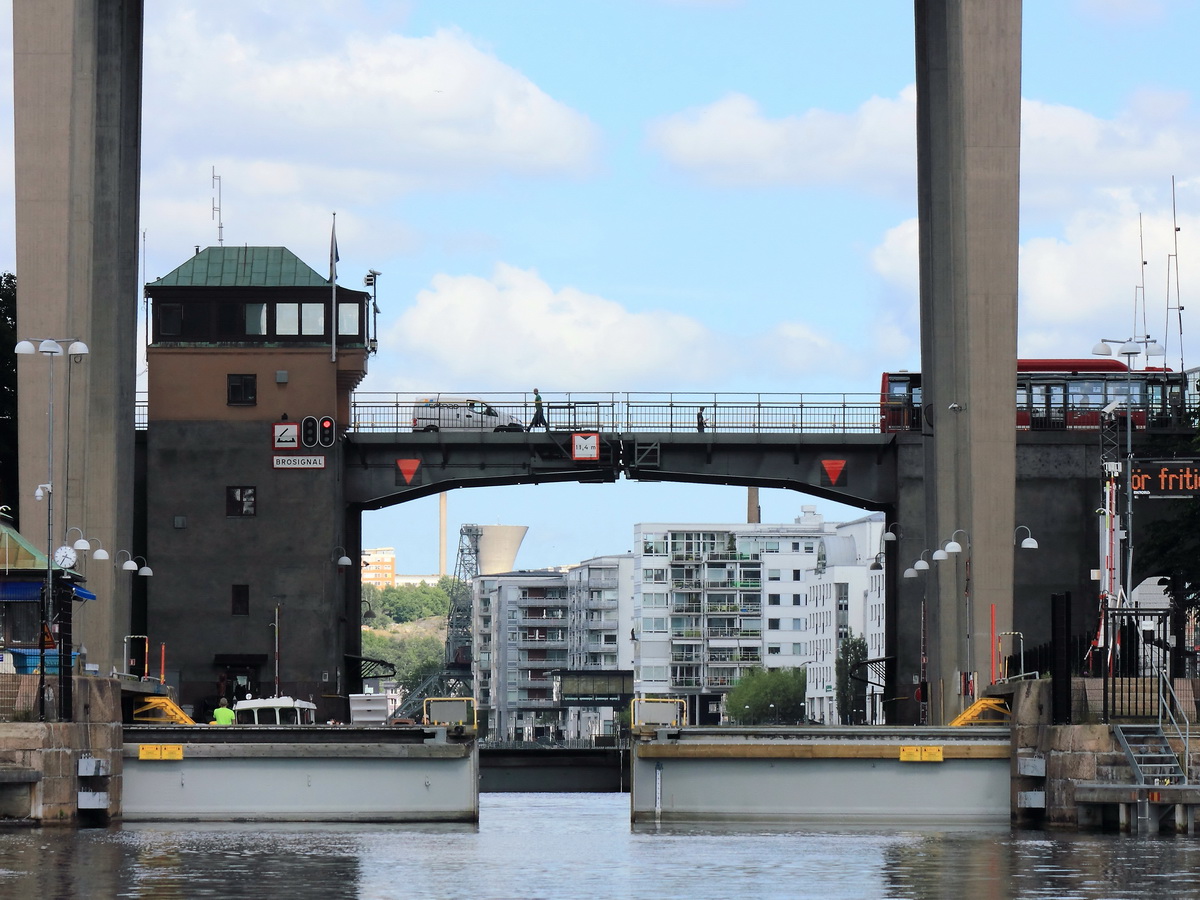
x: 460, y: 414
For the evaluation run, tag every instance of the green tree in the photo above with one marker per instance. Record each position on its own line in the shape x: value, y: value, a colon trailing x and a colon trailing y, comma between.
x: 851, y: 690
x: 768, y: 696
x: 415, y: 658
x: 409, y: 602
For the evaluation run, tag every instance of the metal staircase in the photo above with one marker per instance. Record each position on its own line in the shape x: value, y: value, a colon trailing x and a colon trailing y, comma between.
x: 1150, y: 755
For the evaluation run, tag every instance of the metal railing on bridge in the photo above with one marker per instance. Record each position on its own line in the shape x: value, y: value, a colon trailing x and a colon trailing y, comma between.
x: 628, y: 412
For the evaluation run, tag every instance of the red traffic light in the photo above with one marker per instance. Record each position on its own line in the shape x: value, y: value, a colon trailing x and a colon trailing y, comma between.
x: 326, y: 431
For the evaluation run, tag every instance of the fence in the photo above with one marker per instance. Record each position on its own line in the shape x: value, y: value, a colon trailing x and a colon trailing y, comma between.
x: 19, y: 698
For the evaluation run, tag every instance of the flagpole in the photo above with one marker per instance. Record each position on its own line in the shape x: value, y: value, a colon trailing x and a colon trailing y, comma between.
x: 333, y: 259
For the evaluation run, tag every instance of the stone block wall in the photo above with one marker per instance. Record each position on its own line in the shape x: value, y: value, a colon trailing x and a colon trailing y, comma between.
x: 39, y: 761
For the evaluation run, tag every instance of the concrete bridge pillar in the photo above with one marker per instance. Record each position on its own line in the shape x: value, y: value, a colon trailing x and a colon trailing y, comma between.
x: 77, y: 121
x: 968, y: 161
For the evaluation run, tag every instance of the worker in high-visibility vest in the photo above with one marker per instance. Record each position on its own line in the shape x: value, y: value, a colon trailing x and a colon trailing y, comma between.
x: 223, y: 715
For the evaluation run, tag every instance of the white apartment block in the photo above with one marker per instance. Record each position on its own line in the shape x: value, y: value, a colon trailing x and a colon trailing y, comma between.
x: 843, y: 596
x: 713, y: 601
x: 529, y: 626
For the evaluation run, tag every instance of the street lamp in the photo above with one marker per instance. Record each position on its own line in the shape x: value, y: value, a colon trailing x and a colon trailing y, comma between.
x: 49, y: 349
x: 1130, y: 348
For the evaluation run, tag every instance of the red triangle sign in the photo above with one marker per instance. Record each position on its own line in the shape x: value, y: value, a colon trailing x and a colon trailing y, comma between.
x: 408, y: 468
x: 833, y: 470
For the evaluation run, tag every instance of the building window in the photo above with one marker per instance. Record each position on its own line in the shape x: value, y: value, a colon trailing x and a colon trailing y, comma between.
x: 772, y: 624
x: 797, y: 575
x: 797, y: 649
x: 239, y: 501
x: 170, y: 320
x: 772, y: 599
x: 255, y: 315
x: 240, y: 605
x: 243, y: 390
x: 773, y: 649
x: 348, y: 319
x: 772, y: 574
x: 797, y: 599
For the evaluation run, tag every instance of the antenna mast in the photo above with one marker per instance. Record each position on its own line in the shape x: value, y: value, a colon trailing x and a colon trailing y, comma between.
x: 1173, y: 266
x: 216, y: 207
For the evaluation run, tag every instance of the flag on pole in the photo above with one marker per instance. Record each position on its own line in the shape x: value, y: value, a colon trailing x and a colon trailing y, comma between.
x: 333, y: 251
x: 333, y: 321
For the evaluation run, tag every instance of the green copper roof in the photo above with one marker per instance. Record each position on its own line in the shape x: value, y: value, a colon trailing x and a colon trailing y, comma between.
x: 243, y: 267
x: 16, y: 551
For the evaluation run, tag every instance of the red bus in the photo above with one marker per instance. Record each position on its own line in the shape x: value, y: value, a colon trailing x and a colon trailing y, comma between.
x: 1057, y: 394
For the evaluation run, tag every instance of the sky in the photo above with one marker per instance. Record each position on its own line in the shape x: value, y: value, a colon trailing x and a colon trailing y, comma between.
x: 649, y: 195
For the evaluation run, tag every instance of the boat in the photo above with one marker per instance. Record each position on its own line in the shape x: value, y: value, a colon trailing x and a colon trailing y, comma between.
x: 275, y: 711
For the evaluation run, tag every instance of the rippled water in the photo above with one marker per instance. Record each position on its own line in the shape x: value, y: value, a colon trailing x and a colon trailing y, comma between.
x: 582, y: 846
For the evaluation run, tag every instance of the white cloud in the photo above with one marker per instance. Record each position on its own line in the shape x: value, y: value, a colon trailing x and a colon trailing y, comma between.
x: 432, y: 110
x: 1071, y: 159
x: 513, y: 328
x: 731, y: 142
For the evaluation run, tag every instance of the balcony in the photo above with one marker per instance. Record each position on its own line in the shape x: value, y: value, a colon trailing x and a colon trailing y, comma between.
x: 537, y: 621
x: 601, y: 624
x: 688, y: 633
x: 685, y: 681
x: 734, y: 632
x: 530, y: 643
x: 539, y: 703
x: 732, y: 656
x: 686, y: 606
x: 722, y: 681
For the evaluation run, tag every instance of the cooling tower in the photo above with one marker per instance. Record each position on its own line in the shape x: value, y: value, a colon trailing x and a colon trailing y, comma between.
x: 498, y: 546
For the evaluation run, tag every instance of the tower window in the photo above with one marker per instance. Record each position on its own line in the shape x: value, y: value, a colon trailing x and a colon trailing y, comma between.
x: 240, y: 501
x: 240, y: 600
x: 243, y: 390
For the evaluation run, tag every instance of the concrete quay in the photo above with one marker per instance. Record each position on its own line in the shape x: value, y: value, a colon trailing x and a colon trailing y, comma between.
x: 53, y: 773
x: 339, y: 773
x: 844, y: 776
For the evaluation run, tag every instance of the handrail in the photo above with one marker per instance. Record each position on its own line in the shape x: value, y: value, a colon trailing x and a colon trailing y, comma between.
x: 1164, y: 681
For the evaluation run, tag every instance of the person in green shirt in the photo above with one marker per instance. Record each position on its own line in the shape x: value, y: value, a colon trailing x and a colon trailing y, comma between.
x: 538, y: 417
x: 223, y: 715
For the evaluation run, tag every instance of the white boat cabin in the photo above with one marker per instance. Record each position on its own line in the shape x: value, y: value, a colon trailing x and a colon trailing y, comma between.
x: 275, y: 711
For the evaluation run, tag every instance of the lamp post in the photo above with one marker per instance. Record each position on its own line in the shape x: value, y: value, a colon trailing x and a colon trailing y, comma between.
x: 923, y: 677
x: 1130, y: 348
x: 48, y: 348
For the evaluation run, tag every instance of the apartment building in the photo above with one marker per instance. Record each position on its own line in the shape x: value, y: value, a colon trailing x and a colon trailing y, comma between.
x: 379, y: 567
x: 532, y: 626
x: 843, y: 596
x: 714, y: 601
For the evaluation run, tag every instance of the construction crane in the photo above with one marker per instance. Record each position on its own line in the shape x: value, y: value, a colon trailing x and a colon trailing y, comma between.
x: 453, y: 679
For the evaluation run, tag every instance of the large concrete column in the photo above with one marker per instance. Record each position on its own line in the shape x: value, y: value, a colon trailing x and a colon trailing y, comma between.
x: 968, y: 161
x: 77, y: 125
